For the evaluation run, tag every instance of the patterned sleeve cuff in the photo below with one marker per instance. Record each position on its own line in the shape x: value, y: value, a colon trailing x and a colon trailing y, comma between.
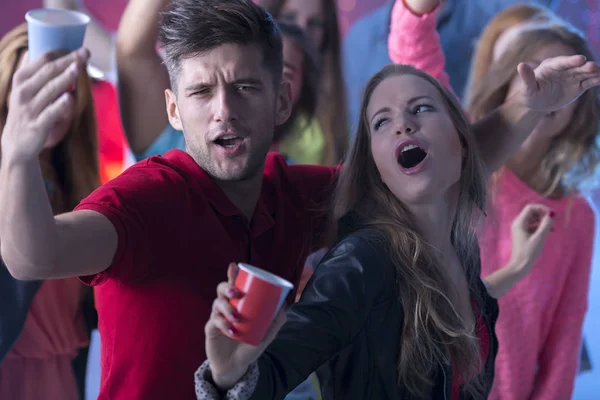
x: 243, y: 390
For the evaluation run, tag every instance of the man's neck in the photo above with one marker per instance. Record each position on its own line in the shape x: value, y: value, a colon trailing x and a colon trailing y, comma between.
x: 243, y: 194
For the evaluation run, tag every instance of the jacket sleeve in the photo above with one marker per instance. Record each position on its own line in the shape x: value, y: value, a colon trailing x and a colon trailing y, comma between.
x: 414, y: 41
x: 15, y: 300
x: 331, y: 313
x: 560, y: 355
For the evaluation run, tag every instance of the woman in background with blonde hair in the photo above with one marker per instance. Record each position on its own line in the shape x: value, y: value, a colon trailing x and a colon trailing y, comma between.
x: 38, y: 364
x: 540, y: 324
x: 542, y: 320
x: 498, y: 33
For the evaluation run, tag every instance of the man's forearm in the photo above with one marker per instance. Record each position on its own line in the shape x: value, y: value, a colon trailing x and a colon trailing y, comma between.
x: 27, y: 227
x: 501, y: 133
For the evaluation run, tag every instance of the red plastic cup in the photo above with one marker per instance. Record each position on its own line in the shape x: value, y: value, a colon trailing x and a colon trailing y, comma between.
x: 264, y: 294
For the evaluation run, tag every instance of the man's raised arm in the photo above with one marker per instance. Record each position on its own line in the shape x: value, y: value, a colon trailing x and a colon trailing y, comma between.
x: 35, y: 244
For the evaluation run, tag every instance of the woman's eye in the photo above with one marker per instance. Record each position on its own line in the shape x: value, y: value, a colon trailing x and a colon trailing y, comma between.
x: 422, y: 108
x: 379, y: 123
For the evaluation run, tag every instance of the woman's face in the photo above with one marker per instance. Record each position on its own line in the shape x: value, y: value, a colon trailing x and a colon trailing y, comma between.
x: 508, y: 36
x: 60, y: 128
x: 415, y: 146
x: 308, y: 15
x: 293, y: 67
x: 552, y: 124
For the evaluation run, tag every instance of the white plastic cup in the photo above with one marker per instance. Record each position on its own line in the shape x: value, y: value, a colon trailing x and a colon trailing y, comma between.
x: 50, y: 29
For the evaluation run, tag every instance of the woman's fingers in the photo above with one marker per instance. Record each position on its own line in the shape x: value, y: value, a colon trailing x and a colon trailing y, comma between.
x: 527, y: 74
x: 588, y: 83
x: 227, y: 290
x: 564, y: 63
x: 224, y: 325
x: 222, y: 306
x: 544, y: 227
x: 530, y: 214
x: 232, y: 271
x: 217, y: 324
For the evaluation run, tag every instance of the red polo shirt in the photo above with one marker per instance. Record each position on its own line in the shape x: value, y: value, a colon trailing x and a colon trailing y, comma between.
x: 177, y: 234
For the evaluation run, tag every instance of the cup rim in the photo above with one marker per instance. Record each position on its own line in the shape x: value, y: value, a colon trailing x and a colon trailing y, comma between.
x: 265, y: 275
x: 83, y: 19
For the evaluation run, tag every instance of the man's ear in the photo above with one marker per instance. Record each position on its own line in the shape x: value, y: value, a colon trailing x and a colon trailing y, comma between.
x: 172, y: 110
x: 284, y: 103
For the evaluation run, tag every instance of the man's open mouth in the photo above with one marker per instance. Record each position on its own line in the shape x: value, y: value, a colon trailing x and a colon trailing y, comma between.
x: 229, y: 141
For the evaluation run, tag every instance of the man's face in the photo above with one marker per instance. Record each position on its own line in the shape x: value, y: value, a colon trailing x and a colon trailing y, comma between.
x: 227, y: 107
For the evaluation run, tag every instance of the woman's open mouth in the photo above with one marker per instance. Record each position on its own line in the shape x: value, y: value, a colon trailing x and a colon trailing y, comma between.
x: 410, y: 156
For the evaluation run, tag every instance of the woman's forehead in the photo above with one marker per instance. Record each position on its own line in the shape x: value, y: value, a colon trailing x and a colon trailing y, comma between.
x: 399, y: 90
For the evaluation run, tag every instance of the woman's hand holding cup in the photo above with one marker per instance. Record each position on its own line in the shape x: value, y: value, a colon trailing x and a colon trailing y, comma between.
x: 245, y: 318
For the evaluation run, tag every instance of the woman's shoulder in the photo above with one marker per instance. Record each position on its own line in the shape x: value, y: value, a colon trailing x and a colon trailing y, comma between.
x: 360, y: 258
x: 581, y: 205
x: 368, y: 242
x: 580, y: 213
x: 366, y: 250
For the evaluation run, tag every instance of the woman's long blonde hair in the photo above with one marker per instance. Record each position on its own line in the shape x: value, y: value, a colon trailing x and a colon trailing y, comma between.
x: 433, y: 334
x: 506, y: 19
x: 75, y: 159
x: 331, y: 110
x: 574, y: 153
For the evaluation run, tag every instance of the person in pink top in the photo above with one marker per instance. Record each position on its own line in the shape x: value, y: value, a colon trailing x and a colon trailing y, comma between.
x: 38, y: 364
x: 540, y: 323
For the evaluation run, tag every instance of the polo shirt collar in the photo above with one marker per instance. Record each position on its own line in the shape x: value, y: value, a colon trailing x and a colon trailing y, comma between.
x: 264, y: 211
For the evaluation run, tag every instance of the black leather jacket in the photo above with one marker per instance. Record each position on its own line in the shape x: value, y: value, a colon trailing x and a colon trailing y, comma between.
x: 348, y: 322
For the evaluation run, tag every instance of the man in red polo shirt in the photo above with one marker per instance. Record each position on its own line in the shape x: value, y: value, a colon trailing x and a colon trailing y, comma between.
x: 157, y: 239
